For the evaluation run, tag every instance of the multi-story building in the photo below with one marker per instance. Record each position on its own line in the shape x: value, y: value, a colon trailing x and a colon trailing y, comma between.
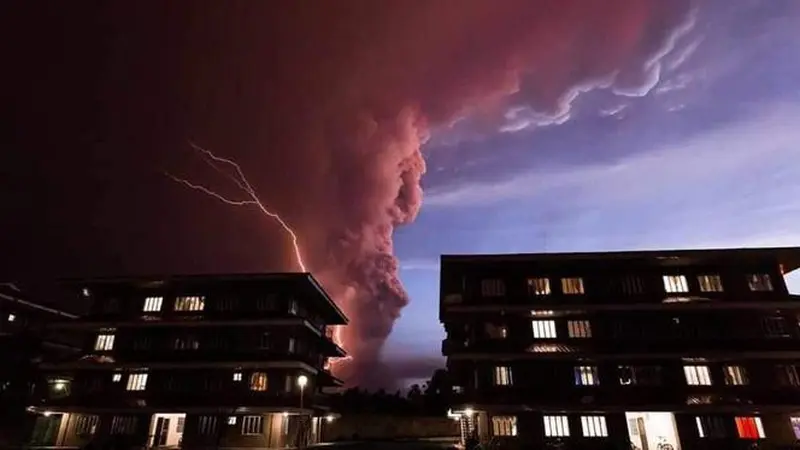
x: 658, y: 349
x: 25, y: 341
x: 195, y: 361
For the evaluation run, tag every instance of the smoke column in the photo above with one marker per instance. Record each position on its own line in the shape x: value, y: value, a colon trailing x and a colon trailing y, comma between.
x: 424, y: 65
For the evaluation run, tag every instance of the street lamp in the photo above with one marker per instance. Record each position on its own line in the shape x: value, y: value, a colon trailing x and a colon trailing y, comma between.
x: 302, y: 381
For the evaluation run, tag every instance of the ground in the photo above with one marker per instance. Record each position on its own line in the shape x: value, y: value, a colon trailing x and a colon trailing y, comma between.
x: 404, y: 445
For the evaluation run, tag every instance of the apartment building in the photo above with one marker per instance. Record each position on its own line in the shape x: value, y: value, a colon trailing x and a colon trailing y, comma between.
x: 25, y: 341
x: 658, y: 349
x: 195, y: 362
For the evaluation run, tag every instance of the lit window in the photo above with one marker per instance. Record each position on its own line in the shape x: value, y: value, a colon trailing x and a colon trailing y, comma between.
x: 104, y: 342
x: 675, y: 283
x: 710, y: 427
x: 556, y: 426
x: 710, y: 283
x: 153, y: 304
x: 579, y: 329
x: 190, y: 303
x: 181, y: 425
x: 795, y: 421
x: 697, y: 375
x: 735, y: 375
x: 750, y: 428
x: 292, y: 344
x: 504, y: 425
x: 493, y: 288
x: 594, y: 426
x: 538, y: 286
x: 544, y: 329
x: 572, y: 285
x: 788, y: 375
x: 759, y: 282
x: 502, y: 376
x: 586, y: 376
x: 258, y: 381
x: 231, y: 420
x: 237, y: 376
x: 137, y: 382
x: 253, y: 424
x: 12, y: 317
x: 116, y: 378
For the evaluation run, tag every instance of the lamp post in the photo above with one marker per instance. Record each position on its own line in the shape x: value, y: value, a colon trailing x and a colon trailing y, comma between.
x: 302, y: 381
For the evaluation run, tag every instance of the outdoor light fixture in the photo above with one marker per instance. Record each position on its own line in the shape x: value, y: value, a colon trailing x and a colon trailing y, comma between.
x: 469, y: 412
x: 46, y: 413
x: 302, y: 381
x: 329, y: 418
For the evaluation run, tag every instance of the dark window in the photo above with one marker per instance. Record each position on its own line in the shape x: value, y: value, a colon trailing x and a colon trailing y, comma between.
x: 710, y: 427
x: 775, y: 327
x: 788, y: 375
x: 493, y: 288
x: 639, y: 375
x: 207, y: 425
x: 632, y: 285
x: 268, y: 303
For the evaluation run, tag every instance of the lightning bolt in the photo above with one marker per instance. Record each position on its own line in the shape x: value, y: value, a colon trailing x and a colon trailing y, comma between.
x: 238, y: 177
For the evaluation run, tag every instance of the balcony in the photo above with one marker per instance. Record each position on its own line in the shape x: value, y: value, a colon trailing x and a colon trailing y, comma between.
x: 629, y: 397
x: 172, y: 400
x: 599, y: 347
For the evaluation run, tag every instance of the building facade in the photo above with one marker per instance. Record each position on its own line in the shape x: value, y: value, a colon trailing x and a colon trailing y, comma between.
x: 648, y: 350
x: 25, y: 341
x: 195, y: 362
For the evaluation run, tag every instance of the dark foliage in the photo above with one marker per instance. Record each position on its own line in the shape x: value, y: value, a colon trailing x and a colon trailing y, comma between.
x: 429, y: 399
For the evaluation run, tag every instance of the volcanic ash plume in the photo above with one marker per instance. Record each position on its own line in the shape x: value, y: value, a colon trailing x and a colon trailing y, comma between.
x: 426, y: 64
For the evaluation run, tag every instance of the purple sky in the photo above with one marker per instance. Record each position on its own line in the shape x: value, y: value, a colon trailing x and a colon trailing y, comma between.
x: 708, y: 157
x: 689, y: 139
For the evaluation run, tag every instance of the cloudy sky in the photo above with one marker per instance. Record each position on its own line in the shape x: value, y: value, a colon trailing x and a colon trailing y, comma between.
x: 709, y: 157
x: 545, y: 125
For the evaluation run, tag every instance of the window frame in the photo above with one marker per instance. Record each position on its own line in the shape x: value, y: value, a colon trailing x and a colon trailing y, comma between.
x: 573, y: 286
x: 675, y: 284
x: 556, y: 426
x: 579, y: 328
x: 153, y: 304
x: 539, y: 286
x: 251, y: 423
x: 586, y: 375
x: 544, y: 329
x: 502, y: 376
x: 710, y: 283
x: 697, y: 375
x: 104, y: 342
x: 504, y: 426
x: 594, y: 426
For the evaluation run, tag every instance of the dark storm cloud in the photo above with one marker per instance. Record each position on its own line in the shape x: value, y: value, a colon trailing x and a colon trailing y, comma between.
x: 326, y: 104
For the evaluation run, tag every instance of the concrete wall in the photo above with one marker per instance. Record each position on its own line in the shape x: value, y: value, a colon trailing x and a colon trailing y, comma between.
x: 388, y: 427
